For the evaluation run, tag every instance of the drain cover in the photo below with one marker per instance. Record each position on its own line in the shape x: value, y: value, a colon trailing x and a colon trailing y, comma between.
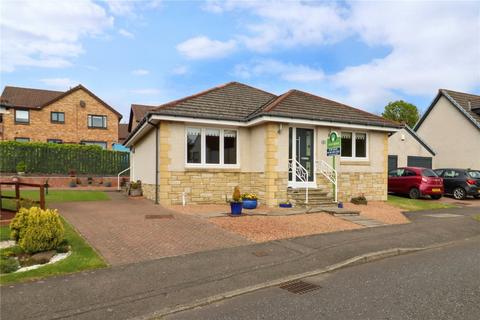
x: 158, y: 216
x: 299, y: 287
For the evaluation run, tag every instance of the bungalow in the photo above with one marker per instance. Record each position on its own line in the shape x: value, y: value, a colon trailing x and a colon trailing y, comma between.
x: 198, y: 148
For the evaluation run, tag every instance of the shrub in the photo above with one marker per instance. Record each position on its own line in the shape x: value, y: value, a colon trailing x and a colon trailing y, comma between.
x: 8, y: 265
x: 236, y: 196
x: 27, y: 203
x: 38, y: 230
x: 21, y: 166
x: 19, y: 223
x: 359, y: 200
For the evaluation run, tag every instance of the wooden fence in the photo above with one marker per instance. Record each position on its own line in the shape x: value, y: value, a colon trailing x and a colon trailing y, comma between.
x: 50, y: 158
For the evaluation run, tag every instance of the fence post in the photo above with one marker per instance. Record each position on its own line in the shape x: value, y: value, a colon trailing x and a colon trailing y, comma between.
x: 42, y: 197
x: 17, y: 194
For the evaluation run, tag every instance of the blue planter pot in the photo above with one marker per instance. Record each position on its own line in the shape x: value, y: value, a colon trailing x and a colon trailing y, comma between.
x: 285, y: 205
x: 236, y: 208
x: 249, y: 204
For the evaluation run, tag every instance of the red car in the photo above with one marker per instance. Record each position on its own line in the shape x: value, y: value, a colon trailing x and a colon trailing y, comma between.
x: 416, y: 182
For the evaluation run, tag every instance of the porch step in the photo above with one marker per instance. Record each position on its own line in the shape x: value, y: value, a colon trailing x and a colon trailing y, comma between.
x: 316, y: 197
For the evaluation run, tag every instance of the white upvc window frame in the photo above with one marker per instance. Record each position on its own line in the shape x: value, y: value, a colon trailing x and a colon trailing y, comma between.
x: 354, y: 151
x: 203, y: 148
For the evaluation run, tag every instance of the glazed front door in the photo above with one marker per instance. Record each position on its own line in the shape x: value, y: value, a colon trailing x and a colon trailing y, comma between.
x: 302, y: 149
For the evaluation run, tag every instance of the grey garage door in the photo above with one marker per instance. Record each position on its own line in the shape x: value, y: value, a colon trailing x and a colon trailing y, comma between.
x: 392, y: 162
x: 425, y: 162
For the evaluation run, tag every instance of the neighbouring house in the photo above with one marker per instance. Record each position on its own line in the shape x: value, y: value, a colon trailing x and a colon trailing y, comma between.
x: 137, y: 113
x: 451, y: 125
x: 73, y: 116
x: 200, y: 147
x: 406, y: 148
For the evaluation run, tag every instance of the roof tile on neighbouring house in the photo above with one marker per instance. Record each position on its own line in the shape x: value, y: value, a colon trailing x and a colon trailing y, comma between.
x: 27, y: 97
x: 468, y: 102
x: 122, y: 132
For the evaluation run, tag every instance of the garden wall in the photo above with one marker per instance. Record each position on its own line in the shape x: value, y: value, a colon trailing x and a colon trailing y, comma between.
x: 64, y: 181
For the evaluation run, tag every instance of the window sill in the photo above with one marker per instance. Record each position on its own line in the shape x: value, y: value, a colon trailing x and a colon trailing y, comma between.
x: 355, y: 162
x: 189, y: 167
x: 22, y: 123
x: 97, y: 128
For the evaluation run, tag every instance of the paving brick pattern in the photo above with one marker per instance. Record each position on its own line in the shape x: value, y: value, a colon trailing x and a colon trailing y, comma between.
x: 119, y: 231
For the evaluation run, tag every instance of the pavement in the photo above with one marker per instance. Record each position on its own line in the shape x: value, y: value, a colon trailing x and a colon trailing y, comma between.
x: 441, y: 283
x: 126, y: 231
x: 159, y: 287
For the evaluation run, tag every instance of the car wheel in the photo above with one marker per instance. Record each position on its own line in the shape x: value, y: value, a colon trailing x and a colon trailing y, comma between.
x: 436, y: 197
x: 414, y: 193
x: 459, y: 193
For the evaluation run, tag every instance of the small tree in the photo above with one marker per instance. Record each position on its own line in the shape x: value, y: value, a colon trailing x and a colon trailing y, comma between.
x: 402, y: 111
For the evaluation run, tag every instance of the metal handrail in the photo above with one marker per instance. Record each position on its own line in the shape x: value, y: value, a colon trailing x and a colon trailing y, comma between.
x: 301, y: 173
x: 118, y: 178
x: 330, y: 173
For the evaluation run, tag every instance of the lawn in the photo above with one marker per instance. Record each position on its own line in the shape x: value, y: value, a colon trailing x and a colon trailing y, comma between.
x: 55, y: 196
x: 4, y: 233
x: 417, y: 204
x: 83, y: 257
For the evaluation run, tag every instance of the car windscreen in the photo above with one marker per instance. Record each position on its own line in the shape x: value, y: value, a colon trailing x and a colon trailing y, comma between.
x: 428, y: 173
x: 474, y: 174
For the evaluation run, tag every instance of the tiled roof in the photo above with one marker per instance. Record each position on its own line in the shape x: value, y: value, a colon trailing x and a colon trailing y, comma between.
x: 469, y: 102
x: 239, y: 102
x: 139, y: 111
x: 232, y: 101
x: 302, y: 105
x: 122, y: 132
x: 27, y: 97
x: 38, y: 98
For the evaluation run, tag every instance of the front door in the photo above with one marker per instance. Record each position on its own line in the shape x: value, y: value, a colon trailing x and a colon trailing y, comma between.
x: 302, y: 150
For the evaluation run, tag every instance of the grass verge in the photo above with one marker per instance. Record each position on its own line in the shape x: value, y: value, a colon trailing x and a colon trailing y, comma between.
x: 83, y: 257
x: 477, y: 217
x: 56, y: 196
x: 417, y: 204
x: 4, y: 233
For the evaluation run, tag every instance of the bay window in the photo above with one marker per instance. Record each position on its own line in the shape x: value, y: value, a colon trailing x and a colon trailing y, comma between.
x: 354, y: 145
x: 211, y: 147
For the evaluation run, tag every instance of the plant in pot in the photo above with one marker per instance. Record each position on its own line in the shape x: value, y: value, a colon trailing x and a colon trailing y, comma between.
x: 135, y: 189
x: 236, y: 202
x: 285, y: 204
x: 250, y: 200
x: 21, y: 168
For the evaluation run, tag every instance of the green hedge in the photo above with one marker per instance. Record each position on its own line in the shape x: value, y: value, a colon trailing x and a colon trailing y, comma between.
x: 51, y: 158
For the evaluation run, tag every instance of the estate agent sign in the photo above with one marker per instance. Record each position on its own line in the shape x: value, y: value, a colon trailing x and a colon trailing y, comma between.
x: 333, y: 144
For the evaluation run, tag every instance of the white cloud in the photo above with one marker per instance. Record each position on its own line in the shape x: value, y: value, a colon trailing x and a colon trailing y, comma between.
x: 180, y: 70
x: 432, y: 44
x: 126, y: 34
x: 147, y: 91
x: 140, y: 72
x: 202, y: 47
x: 286, y: 71
x: 59, y: 83
x: 47, y: 33
x: 121, y: 7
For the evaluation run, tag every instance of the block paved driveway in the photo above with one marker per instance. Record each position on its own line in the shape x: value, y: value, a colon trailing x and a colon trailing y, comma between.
x: 119, y: 230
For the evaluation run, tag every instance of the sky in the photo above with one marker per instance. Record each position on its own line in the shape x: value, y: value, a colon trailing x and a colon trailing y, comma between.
x: 361, y: 53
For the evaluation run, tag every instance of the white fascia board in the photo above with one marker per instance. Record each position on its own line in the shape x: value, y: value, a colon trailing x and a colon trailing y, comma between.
x: 140, y: 132
x: 261, y: 120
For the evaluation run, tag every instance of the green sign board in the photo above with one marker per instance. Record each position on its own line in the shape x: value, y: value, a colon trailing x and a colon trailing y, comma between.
x: 334, y: 144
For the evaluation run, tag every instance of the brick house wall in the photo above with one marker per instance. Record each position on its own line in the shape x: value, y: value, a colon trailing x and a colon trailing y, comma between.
x: 74, y: 130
